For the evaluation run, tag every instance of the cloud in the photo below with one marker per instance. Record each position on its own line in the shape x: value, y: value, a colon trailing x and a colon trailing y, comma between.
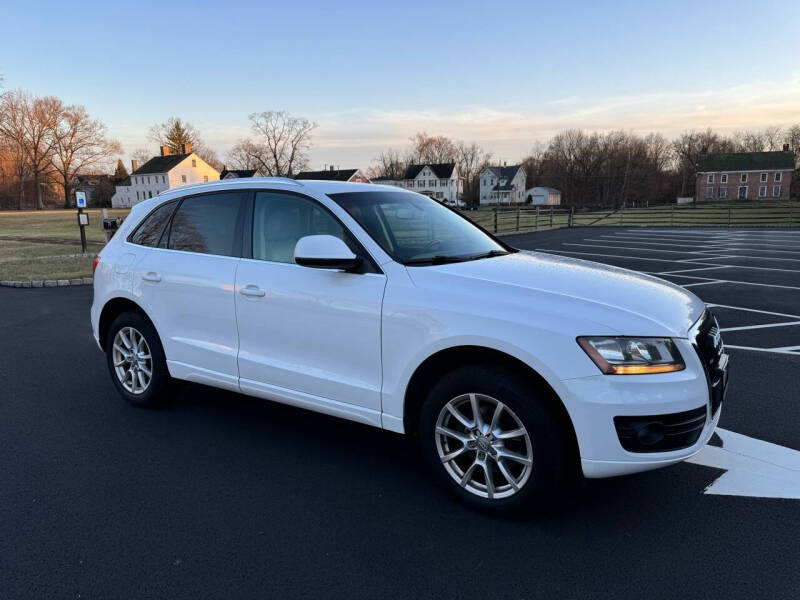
x: 355, y: 137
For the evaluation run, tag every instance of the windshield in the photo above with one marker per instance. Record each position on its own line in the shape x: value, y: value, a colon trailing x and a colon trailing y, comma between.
x: 416, y: 230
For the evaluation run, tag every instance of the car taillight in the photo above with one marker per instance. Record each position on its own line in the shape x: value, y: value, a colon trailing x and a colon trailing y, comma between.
x: 95, y: 263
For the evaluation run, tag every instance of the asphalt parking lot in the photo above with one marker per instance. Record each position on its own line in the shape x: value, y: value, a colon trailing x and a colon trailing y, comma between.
x: 223, y: 496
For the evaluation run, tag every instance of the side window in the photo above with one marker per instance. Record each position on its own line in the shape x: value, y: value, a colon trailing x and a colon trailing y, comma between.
x: 280, y: 220
x: 208, y: 224
x: 149, y: 231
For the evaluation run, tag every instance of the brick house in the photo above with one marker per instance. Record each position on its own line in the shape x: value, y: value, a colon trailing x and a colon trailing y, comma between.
x: 745, y: 175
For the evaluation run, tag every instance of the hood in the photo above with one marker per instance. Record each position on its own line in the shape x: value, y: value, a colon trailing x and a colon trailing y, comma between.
x: 626, y: 301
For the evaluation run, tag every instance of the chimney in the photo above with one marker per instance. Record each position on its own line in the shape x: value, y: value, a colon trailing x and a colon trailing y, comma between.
x: 786, y: 147
x: 186, y: 148
x: 504, y: 163
x: 134, y: 165
x: 164, y: 150
x: 331, y: 167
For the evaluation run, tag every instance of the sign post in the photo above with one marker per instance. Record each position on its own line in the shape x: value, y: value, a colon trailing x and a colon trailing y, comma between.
x: 83, y: 219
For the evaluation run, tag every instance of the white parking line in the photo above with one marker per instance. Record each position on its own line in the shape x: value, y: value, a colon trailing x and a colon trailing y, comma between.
x: 746, y: 327
x: 771, y: 350
x: 755, y: 310
x: 712, y: 282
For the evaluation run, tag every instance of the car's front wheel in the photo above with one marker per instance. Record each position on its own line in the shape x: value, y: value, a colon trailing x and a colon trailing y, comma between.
x: 494, y: 439
x: 136, y: 360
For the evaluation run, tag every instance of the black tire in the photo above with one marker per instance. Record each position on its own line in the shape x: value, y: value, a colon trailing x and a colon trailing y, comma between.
x: 157, y: 392
x: 552, y: 466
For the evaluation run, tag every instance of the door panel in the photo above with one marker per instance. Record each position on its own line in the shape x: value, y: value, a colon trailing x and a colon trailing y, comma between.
x: 186, y: 285
x: 312, y: 331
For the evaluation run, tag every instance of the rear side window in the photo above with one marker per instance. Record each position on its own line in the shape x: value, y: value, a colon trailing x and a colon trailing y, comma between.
x: 149, y: 231
x: 208, y: 224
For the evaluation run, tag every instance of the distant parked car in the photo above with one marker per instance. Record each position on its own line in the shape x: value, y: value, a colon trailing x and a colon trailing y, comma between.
x: 516, y: 371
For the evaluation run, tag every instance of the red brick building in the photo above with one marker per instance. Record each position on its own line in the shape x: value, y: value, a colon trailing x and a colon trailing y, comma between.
x: 745, y: 176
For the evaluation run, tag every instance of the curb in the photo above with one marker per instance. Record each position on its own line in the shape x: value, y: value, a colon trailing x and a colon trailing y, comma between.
x: 37, y: 283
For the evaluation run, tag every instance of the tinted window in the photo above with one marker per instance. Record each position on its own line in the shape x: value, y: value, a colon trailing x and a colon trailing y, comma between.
x: 280, y: 220
x: 413, y: 229
x: 208, y: 224
x: 149, y: 231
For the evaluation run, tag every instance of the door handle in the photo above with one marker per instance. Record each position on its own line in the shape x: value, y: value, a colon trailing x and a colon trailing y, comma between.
x: 253, y: 291
x: 152, y: 276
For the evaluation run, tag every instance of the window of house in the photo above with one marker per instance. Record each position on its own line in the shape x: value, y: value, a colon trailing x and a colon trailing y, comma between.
x: 710, y: 178
x: 194, y: 163
x: 743, y: 178
x: 742, y: 192
x: 432, y: 182
x: 149, y: 231
x: 776, y: 191
x: 778, y: 177
x: 421, y: 183
x: 183, y: 178
x: 762, y: 191
x: 763, y: 177
x: 709, y: 192
x: 137, y: 194
x: 723, y: 192
x: 163, y: 179
x: 150, y: 193
x: 208, y: 224
x: 723, y: 178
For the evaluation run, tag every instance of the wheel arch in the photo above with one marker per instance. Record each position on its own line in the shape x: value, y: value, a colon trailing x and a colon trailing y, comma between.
x: 111, y: 310
x: 443, y: 361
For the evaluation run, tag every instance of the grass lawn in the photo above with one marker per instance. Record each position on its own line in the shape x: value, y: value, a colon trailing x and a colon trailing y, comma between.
x: 33, y: 244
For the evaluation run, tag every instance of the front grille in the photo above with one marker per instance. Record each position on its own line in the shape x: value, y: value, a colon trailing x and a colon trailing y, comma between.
x: 660, y: 433
x: 709, y: 347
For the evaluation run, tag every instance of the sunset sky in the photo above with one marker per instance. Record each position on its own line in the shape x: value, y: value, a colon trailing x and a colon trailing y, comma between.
x: 504, y: 74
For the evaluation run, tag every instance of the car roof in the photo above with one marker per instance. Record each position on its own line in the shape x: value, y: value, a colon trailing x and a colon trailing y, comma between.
x: 283, y: 183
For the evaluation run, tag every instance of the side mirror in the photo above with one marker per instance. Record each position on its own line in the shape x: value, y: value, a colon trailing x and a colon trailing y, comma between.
x: 325, y: 252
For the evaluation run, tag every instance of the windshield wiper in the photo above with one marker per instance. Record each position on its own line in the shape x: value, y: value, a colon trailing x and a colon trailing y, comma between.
x: 436, y: 260
x: 489, y: 254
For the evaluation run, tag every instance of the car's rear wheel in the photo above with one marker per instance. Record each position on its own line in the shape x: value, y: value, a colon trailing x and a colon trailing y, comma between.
x: 494, y: 439
x: 136, y: 360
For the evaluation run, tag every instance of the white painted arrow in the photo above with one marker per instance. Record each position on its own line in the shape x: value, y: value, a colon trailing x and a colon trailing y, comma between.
x: 753, y: 467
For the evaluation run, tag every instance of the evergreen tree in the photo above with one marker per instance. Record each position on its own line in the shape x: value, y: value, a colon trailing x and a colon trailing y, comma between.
x: 121, y: 172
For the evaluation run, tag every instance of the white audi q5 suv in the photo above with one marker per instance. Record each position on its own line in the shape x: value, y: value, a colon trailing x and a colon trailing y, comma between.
x: 515, y: 370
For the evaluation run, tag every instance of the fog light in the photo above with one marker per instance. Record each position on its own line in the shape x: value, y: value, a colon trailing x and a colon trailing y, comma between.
x: 649, y: 434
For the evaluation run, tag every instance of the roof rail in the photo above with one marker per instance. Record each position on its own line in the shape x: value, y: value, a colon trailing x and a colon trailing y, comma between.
x: 189, y: 186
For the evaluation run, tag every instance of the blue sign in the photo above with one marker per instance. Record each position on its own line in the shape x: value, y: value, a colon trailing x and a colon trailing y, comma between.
x: 80, y: 199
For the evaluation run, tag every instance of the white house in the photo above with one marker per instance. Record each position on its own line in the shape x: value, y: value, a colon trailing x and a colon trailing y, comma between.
x: 162, y: 173
x: 502, y: 185
x: 543, y: 195
x: 439, y: 181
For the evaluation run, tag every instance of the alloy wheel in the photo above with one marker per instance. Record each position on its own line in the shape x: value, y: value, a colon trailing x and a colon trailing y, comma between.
x: 484, y: 446
x: 133, y: 363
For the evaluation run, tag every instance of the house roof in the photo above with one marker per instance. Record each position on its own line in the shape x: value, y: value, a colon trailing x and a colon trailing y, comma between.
x: 507, y: 172
x: 441, y: 170
x: 745, y: 161
x: 238, y: 173
x: 160, y: 164
x: 328, y: 175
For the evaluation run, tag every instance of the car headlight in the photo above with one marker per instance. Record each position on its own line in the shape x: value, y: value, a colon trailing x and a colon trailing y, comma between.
x: 633, y: 355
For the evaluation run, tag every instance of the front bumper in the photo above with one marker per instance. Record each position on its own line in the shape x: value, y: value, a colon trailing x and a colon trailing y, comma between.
x: 593, y: 402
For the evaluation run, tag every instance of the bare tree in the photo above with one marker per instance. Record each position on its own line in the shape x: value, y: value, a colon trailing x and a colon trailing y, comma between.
x: 31, y: 122
x: 390, y: 164
x: 280, y: 145
x: 80, y: 144
x: 471, y: 160
x: 432, y: 149
x: 141, y: 155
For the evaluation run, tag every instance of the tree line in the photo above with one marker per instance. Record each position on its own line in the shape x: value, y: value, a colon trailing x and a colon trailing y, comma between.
x: 594, y: 169
x: 45, y: 142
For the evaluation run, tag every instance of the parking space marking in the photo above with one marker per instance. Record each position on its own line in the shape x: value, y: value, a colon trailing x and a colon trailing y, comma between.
x: 763, y: 326
x: 770, y: 350
x: 712, y: 282
x: 755, y: 310
x: 752, y: 467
